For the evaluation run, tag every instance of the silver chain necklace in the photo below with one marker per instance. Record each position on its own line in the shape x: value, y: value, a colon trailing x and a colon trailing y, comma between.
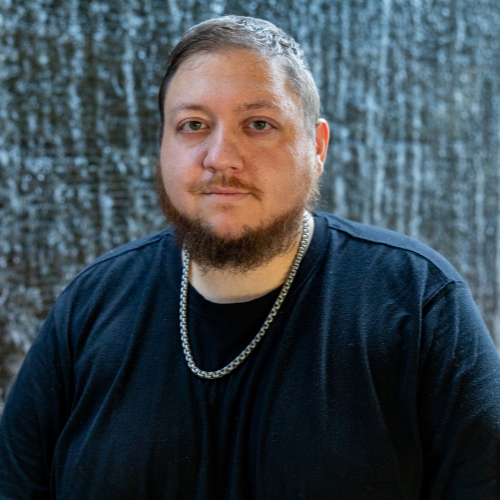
x: 246, y: 352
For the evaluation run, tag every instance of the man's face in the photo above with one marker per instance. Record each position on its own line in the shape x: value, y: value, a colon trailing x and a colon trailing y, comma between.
x: 236, y: 153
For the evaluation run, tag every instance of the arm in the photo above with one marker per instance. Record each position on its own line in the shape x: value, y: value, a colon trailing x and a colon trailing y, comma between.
x: 459, y: 400
x: 34, y: 415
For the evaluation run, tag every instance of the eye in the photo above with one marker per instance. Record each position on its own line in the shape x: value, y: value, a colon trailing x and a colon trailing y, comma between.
x: 193, y: 126
x: 260, y: 125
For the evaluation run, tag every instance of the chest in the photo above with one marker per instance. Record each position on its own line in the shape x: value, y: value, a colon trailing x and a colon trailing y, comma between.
x: 307, y: 415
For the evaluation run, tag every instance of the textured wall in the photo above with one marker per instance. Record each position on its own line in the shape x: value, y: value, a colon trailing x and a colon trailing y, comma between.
x: 410, y: 88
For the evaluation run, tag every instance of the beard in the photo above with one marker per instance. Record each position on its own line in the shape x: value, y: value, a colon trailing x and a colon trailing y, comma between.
x: 252, y: 248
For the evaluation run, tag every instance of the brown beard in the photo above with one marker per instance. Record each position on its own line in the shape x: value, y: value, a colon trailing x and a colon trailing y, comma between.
x: 254, y: 248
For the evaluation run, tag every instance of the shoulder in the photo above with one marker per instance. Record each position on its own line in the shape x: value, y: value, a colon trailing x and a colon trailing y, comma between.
x: 117, y: 284
x: 388, y: 256
x: 129, y: 250
x: 131, y: 263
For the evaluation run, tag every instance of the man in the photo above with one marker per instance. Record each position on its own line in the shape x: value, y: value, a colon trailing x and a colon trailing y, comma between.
x: 257, y: 350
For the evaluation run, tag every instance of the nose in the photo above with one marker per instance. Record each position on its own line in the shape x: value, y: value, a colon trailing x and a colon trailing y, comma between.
x: 223, y: 151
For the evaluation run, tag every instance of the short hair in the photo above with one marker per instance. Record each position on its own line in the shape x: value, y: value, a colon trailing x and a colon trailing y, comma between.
x: 240, y: 32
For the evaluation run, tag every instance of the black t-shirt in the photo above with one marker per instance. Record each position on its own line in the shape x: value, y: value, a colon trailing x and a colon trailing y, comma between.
x: 376, y: 380
x: 218, y: 333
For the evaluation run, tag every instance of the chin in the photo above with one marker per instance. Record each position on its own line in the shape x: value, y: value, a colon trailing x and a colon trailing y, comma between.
x: 228, y: 229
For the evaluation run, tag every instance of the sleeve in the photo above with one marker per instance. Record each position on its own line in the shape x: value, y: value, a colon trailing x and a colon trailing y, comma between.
x: 459, y: 400
x: 33, y: 417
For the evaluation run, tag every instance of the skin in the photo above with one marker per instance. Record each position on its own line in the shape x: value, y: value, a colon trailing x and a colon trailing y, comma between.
x: 232, y: 115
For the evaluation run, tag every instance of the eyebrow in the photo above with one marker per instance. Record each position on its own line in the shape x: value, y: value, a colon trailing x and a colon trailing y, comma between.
x: 261, y: 103
x: 186, y: 107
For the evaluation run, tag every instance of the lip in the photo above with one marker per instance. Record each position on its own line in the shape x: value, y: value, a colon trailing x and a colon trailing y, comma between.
x: 226, y: 194
x: 226, y: 190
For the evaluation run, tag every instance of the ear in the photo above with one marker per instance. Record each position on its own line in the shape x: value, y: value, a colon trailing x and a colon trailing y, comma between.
x: 322, y: 136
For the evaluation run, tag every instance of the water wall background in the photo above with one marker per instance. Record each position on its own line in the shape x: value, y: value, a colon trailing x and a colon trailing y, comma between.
x: 409, y: 87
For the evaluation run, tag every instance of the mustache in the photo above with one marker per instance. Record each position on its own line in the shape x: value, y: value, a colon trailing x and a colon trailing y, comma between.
x: 200, y: 187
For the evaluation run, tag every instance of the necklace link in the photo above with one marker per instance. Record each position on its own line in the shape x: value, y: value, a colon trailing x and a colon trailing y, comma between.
x: 251, y: 346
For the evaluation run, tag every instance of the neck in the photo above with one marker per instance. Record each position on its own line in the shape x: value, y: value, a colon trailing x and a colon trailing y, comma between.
x: 225, y: 287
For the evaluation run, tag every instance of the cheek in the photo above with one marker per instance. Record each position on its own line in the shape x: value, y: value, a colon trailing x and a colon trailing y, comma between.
x: 302, y: 152
x: 176, y: 153
x: 180, y: 167
x: 300, y: 164
x: 298, y: 183
x: 174, y: 179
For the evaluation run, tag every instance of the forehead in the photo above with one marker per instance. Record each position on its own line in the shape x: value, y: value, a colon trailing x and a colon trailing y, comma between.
x: 231, y: 77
